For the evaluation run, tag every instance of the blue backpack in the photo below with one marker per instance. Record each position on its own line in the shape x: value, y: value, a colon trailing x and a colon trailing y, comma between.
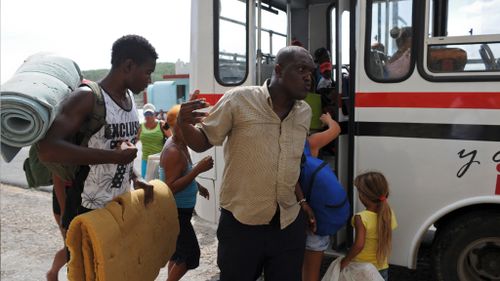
x: 325, y: 195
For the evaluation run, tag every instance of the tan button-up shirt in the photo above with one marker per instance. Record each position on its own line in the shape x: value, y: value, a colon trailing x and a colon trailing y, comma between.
x: 262, y: 154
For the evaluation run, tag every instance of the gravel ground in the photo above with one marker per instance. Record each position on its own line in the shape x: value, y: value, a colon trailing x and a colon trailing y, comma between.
x: 30, y: 237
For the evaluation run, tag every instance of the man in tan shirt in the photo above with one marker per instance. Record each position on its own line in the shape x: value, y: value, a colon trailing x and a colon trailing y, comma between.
x: 261, y: 226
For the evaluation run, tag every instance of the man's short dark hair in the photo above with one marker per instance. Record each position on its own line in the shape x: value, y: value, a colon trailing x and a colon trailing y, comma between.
x: 321, y: 54
x: 133, y: 47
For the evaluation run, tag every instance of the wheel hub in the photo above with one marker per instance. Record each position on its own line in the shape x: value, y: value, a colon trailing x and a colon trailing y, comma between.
x: 480, y: 260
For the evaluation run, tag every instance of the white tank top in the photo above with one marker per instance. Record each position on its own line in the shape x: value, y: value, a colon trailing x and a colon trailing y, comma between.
x: 107, y: 181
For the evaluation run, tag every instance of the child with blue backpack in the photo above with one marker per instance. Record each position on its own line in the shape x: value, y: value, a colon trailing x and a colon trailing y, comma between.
x: 317, y: 244
x: 373, y: 226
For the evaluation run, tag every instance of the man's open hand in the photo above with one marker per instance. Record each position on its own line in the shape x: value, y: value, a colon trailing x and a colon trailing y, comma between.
x: 311, y: 219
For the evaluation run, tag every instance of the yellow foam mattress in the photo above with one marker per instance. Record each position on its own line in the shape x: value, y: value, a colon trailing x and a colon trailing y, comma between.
x: 124, y: 240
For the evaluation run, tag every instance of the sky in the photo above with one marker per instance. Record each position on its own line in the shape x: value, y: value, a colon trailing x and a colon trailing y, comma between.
x: 85, y: 30
x: 481, y: 15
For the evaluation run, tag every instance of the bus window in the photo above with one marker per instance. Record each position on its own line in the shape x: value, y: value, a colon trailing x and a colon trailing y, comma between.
x: 340, y: 56
x: 273, y: 34
x: 274, y: 23
x: 231, y: 45
x: 389, y: 35
x: 463, y: 37
x: 344, y: 40
x: 464, y: 57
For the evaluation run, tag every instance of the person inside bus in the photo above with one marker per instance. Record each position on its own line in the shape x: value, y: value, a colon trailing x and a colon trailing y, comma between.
x: 261, y: 226
x: 325, y: 88
x: 321, y: 55
x: 317, y: 244
x: 296, y: 42
x: 326, y: 76
x: 398, y: 64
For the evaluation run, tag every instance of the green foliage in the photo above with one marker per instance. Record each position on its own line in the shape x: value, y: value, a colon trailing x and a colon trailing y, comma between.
x: 94, y: 75
x: 161, y: 69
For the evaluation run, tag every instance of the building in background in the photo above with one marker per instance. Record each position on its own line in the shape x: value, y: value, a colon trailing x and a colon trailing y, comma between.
x: 174, y: 89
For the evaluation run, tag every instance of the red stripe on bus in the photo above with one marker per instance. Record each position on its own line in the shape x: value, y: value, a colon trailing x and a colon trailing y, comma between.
x: 212, y: 99
x: 490, y: 100
x: 175, y: 76
x: 482, y: 100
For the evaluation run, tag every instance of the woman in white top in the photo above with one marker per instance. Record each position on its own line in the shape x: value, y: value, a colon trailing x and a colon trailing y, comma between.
x: 398, y: 64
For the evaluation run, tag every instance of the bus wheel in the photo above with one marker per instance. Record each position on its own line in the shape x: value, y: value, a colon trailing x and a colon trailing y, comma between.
x: 468, y: 248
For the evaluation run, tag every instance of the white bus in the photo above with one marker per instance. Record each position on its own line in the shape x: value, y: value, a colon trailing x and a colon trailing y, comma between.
x: 432, y: 127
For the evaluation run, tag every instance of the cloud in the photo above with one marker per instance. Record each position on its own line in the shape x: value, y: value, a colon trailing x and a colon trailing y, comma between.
x: 86, y: 30
x: 481, y: 15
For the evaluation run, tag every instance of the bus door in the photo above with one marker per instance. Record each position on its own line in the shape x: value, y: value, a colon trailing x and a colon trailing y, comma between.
x: 270, y: 36
x: 339, y: 42
x: 319, y: 26
x: 233, y: 43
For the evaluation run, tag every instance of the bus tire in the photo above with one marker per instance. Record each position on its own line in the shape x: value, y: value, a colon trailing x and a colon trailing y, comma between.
x: 468, y: 248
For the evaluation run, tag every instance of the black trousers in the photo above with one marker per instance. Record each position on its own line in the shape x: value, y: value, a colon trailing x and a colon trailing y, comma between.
x: 245, y: 251
x: 74, y: 197
x: 187, y: 249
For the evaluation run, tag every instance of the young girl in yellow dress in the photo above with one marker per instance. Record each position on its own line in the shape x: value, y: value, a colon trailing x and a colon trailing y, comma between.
x: 373, y: 226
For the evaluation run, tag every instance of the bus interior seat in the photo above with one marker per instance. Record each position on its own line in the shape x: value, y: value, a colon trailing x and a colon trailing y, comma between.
x: 267, y: 67
x: 447, y: 59
x: 232, y: 72
x: 377, y: 61
x: 488, y: 57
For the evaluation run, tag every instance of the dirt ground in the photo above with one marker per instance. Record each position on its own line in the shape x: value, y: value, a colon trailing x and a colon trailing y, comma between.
x: 30, y: 238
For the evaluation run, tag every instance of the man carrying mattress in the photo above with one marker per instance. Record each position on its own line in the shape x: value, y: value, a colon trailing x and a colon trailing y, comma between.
x: 110, y: 151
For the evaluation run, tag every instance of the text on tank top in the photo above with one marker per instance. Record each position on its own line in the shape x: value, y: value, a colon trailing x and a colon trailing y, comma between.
x: 107, y: 181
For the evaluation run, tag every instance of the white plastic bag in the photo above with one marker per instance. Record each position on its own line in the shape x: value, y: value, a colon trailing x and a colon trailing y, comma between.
x: 355, y: 271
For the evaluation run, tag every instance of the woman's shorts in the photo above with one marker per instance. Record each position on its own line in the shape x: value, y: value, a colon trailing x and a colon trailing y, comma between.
x: 187, y: 249
x: 317, y: 243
